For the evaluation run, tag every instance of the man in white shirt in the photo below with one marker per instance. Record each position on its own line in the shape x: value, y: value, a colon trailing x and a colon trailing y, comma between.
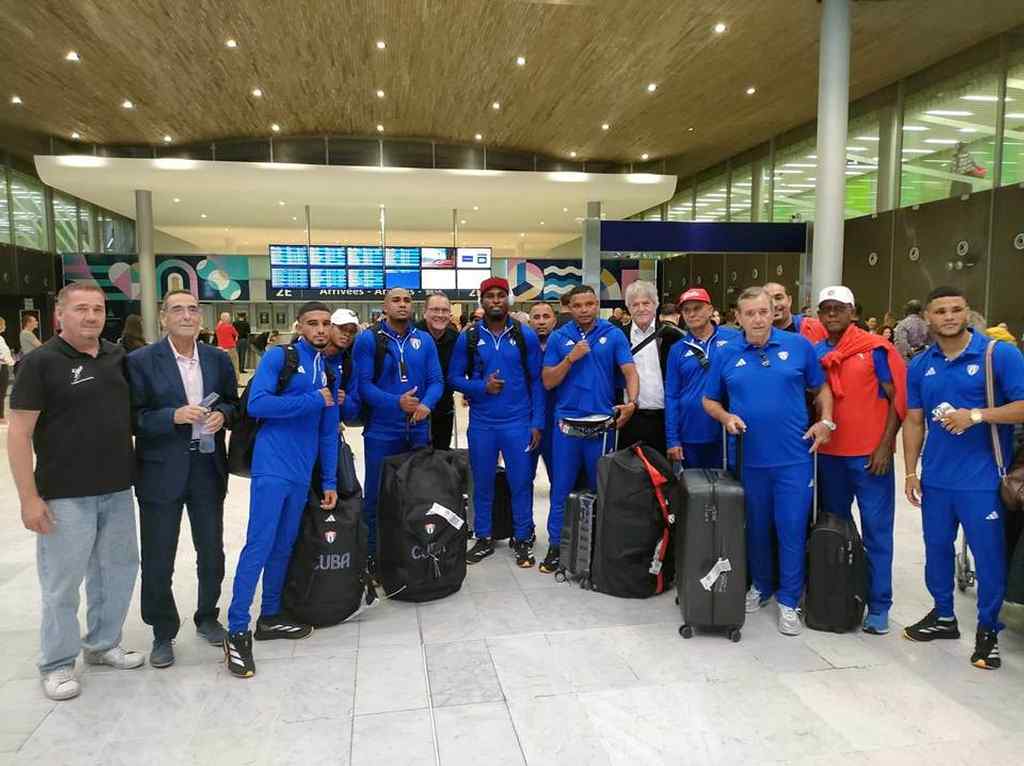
x: 651, y: 343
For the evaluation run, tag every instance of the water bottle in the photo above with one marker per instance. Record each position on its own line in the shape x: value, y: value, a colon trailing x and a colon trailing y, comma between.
x: 207, y: 441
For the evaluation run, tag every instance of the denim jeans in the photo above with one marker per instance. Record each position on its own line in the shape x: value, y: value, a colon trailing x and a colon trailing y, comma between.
x: 94, y: 539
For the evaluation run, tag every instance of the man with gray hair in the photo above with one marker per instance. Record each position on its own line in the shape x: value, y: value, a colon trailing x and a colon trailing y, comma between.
x: 650, y: 342
x: 911, y: 335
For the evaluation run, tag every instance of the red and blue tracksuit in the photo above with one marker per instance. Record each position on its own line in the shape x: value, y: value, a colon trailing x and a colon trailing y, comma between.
x: 766, y: 386
x: 959, y: 477
x: 411, y: 362
x: 501, y: 423
x: 296, y: 430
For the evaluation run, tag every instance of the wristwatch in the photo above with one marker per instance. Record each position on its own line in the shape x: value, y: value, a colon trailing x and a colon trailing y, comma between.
x: 976, y: 418
x: 829, y: 424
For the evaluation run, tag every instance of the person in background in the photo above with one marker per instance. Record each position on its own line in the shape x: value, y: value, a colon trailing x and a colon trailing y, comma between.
x: 962, y: 164
x: 542, y: 322
x: 204, y: 335
x: 889, y: 319
x: 169, y: 379
x: 651, y: 361
x: 807, y: 310
x: 227, y: 340
x: 132, y: 337
x: 564, y: 314
x: 28, y: 339
x: 976, y: 321
x: 868, y: 377
x: 71, y: 406
x: 911, y: 334
x: 616, y: 317
x: 764, y: 377
x: 784, y: 319
x: 858, y: 318
x: 887, y: 333
x: 872, y: 324
x: 338, y: 351
x: 241, y: 325
x: 437, y: 320
x: 693, y: 437
x: 1001, y: 332
x: 959, y: 481
x: 6, y: 364
x: 669, y: 314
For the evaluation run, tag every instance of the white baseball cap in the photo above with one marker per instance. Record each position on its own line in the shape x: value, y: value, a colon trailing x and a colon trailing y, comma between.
x: 343, y: 317
x: 837, y: 293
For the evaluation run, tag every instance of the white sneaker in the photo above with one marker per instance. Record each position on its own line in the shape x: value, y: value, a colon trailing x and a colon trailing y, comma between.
x: 116, y: 657
x: 754, y: 600
x: 789, y: 621
x: 61, y: 684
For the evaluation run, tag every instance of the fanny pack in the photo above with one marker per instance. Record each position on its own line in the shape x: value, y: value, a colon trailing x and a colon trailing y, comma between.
x: 589, y: 427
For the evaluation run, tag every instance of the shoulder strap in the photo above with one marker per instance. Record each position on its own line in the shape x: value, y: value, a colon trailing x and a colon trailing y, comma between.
x: 346, y: 368
x: 990, y: 397
x: 290, y: 366
x: 517, y: 334
x: 472, y: 338
x: 643, y: 344
x: 379, y: 352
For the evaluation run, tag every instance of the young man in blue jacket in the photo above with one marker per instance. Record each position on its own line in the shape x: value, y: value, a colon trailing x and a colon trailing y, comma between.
x: 506, y: 415
x: 341, y: 336
x: 398, y: 396
x: 580, y: 364
x: 299, y: 425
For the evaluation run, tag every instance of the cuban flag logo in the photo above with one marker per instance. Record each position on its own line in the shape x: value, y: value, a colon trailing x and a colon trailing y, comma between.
x: 603, y: 341
x: 783, y: 355
x: 415, y: 343
x: 972, y: 369
x: 330, y: 535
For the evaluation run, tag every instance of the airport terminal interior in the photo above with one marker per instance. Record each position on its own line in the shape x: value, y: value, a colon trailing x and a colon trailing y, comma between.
x: 258, y: 156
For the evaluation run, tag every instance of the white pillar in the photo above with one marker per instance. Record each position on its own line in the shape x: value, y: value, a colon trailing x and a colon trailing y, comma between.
x: 147, y: 263
x: 833, y: 114
x: 592, y: 247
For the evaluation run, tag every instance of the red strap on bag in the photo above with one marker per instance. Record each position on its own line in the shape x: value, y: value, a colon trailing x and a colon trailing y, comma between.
x: 661, y: 550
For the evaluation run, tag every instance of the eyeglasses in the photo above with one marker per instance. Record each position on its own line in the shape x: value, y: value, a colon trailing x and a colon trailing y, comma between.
x: 765, y: 362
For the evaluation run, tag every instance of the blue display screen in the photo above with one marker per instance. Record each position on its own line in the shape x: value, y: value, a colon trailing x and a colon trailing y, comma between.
x: 285, y: 277
x: 367, y: 279
x: 402, y: 256
x: 407, y: 278
x: 365, y: 256
x: 327, y: 255
x: 288, y: 255
x: 328, y: 278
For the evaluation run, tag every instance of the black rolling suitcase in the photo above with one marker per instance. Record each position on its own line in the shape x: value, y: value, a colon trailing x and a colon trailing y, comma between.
x: 576, y: 546
x: 711, y: 551
x: 421, y: 527
x: 837, y: 578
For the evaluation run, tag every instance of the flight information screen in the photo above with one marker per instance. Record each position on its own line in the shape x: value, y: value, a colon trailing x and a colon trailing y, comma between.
x: 328, y: 278
x: 402, y: 256
x: 365, y: 256
x: 366, y: 279
x: 283, y: 277
x: 327, y: 255
x: 288, y: 255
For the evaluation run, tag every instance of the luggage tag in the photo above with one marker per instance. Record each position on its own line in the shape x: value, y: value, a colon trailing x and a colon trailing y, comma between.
x: 721, y: 566
x: 451, y: 517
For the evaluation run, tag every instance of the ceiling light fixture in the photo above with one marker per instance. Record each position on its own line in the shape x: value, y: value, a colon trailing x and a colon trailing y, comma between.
x: 751, y: 90
x: 720, y: 27
x: 476, y: 207
x: 572, y: 154
x: 689, y: 129
x: 651, y: 87
x: 496, y: 105
x: 522, y: 234
x: 520, y: 60
x: 644, y: 156
x: 462, y: 222
x: 75, y: 136
x: 295, y: 218
x: 479, y: 137
x: 275, y: 127
x: 16, y: 100
x: 72, y: 56
x: 915, y: 128
x: 126, y: 104
x: 202, y: 215
x: 167, y: 139
x: 949, y: 113
x: 380, y: 94
x: 380, y: 128
x: 541, y: 223
x: 257, y: 93
x: 565, y: 210
x: 381, y: 45
x: 280, y: 202
x: 605, y: 126
x: 231, y: 43
x: 176, y: 200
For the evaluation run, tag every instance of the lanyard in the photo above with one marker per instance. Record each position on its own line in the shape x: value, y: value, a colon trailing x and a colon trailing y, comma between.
x: 403, y: 370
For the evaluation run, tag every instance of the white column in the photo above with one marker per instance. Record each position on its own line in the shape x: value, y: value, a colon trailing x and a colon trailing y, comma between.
x: 592, y: 247
x: 833, y: 114
x: 147, y: 263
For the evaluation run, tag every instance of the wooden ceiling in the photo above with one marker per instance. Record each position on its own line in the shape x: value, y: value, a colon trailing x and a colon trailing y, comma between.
x: 587, y: 62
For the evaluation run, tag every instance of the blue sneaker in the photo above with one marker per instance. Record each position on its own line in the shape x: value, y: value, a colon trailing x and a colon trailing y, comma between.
x: 877, y: 624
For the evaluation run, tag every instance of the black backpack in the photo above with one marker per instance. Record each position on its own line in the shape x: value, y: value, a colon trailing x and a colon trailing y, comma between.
x: 473, y: 339
x: 380, y: 351
x: 243, y: 433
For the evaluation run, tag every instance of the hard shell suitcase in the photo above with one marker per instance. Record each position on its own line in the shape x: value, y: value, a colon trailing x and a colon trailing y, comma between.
x: 711, y: 551
x: 577, y: 541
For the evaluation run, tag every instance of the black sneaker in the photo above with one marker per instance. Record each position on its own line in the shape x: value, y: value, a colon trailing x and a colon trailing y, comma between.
x: 932, y: 627
x: 550, y: 563
x: 986, y: 650
x: 371, y: 571
x: 238, y: 654
x: 280, y: 626
x: 482, y: 548
x: 524, y: 553
x: 531, y: 541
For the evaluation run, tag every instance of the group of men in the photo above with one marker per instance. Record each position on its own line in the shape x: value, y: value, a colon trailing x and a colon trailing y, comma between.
x: 790, y: 387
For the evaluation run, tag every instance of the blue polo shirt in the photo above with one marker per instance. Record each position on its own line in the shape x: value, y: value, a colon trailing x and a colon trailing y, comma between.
x: 965, y: 461
x: 766, y: 387
x: 686, y: 422
x: 589, y: 386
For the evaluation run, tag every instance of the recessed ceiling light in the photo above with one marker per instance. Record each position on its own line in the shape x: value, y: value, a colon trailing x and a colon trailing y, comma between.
x: 496, y: 105
x: 605, y: 126
x: 231, y: 43
x: 295, y: 218
x: 75, y: 136
x: 689, y: 129
x: 72, y: 56
x: 275, y: 127
x: 751, y: 90
x: 126, y: 104
x: 380, y: 128
x: 476, y: 207
x: 541, y: 223
x: 520, y: 60
x: 462, y: 222
x: 176, y: 200
x: 644, y: 156
x: 565, y: 210
x: 381, y: 45
x: 651, y: 87
x: 521, y: 234
x: 572, y: 154
x: 257, y: 93
x: 15, y: 100
x: 719, y: 27
x: 380, y: 94
x: 479, y: 137
x: 202, y: 215
x: 280, y: 202
x: 167, y: 139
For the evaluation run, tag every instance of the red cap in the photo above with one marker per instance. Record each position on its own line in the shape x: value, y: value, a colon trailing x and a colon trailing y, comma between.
x: 694, y: 294
x: 492, y: 282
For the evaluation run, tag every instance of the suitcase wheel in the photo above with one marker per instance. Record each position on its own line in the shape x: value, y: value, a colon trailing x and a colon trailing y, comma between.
x: 677, y: 600
x: 686, y: 631
x: 735, y: 635
x: 560, y: 575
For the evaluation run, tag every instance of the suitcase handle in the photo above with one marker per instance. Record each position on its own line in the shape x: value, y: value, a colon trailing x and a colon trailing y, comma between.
x: 739, y: 452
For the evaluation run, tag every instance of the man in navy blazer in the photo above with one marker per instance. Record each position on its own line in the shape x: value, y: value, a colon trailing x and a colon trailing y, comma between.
x: 168, y: 380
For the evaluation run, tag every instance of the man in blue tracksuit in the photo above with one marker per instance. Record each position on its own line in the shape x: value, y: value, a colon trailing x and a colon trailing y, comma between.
x: 341, y: 336
x: 764, y: 377
x: 581, y: 364
x: 299, y: 425
x: 694, y: 437
x: 399, y: 396
x: 959, y: 483
x: 506, y: 415
x: 542, y: 322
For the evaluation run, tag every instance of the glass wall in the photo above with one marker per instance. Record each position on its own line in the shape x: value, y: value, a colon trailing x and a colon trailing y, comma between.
x: 87, y: 228
x: 795, y: 172
x: 948, y: 138
x: 117, y: 233
x: 5, y: 212
x: 712, y: 196
x: 29, y: 211
x: 65, y: 223
x: 862, y: 143
x: 1013, y: 130
x: 741, y: 189
x: 680, y: 207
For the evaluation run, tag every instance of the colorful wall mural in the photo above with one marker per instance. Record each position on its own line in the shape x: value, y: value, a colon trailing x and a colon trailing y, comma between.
x: 549, y: 280
x: 208, y: 277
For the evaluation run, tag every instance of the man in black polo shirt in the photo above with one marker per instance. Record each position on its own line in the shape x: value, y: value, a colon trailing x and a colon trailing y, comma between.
x: 438, y: 322
x: 71, y: 404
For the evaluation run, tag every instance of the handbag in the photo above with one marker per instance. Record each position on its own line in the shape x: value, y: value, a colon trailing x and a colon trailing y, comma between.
x: 1011, y: 480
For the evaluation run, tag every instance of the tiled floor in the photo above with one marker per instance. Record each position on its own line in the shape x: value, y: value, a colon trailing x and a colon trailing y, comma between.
x: 514, y: 669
